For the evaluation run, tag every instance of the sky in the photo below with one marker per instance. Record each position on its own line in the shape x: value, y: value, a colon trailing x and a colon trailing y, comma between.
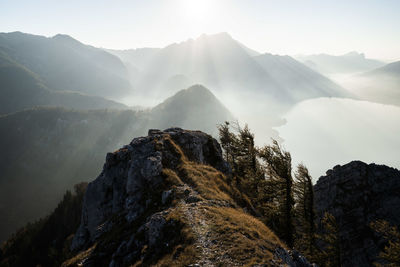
x: 279, y: 27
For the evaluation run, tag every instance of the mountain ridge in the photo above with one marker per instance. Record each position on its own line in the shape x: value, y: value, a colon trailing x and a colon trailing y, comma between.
x: 66, y: 64
x: 50, y: 145
x: 23, y: 89
x: 171, y: 205
x: 350, y: 62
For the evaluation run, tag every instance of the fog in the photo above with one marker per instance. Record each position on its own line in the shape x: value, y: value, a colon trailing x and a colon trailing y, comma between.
x: 325, y: 132
x: 58, y: 147
x: 381, y: 88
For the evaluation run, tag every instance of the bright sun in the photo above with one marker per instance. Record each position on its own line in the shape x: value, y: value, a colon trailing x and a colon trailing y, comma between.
x: 200, y: 16
x: 198, y: 9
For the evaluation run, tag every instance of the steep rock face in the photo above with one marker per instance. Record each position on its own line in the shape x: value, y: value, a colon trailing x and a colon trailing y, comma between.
x: 136, y: 167
x: 357, y: 194
x: 164, y: 200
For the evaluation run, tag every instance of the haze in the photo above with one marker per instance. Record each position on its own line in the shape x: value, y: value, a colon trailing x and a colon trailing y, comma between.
x: 279, y: 27
x: 79, y: 79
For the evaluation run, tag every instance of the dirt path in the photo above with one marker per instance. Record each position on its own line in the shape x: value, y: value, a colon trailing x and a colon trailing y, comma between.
x: 202, y: 230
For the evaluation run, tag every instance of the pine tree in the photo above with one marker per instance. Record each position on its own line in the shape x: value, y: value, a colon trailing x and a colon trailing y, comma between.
x: 304, y: 210
x: 390, y: 256
x: 229, y: 143
x: 241, y: 153
x: 225, y: 138
x: 280, y: 189
x: 248, y: 166
x: 329, y: 255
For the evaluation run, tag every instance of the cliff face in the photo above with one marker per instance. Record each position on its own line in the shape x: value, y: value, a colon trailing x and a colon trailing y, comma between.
x: 357, y: 194
x: 132, y: 176
x: 165, y: 200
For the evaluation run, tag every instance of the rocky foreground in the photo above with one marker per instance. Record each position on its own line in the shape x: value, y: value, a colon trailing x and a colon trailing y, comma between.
x: 165, y: 200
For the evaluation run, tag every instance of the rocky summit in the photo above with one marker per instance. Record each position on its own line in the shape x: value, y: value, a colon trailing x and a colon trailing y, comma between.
x: 357, y: 194
x: 166, y: 200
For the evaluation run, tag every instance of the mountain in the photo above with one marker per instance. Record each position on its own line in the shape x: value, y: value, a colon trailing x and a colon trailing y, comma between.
x: 298, y: 79
x: 389, y: 69
x: 161, y: 200
x: 351, y: 62
x: 21, y: 89
x: 138, y: 58
x: 357, y: 194
x: 47, y: 150
x: 135, y: 60
x: 380, y: 85
x: 222, y: 63
x: 65, y: 64
x: 191, y: 108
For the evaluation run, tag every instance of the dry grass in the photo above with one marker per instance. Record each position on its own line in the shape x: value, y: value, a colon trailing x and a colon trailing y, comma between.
x: 184, y: 253
x: 205, y: 229
x: 236, y: 235
x: 243, y: 238
x: 210, y: 183
x: 171, y: 178
x: 76, y: 261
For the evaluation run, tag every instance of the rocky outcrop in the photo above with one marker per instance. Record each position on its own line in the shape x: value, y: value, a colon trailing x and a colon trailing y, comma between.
x: 131, y: 174
x: 357, y: 194
x: 166, y: 199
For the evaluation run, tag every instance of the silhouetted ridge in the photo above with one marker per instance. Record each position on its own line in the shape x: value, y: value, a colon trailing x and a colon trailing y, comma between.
x: 191, y: 108
x: 357, y: 194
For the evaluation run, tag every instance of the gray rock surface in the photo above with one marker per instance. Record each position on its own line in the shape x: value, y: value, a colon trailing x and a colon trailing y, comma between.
x: 357, y: 194
x: 290, y: 258
x: 131, y: 174
x: 132, y: 214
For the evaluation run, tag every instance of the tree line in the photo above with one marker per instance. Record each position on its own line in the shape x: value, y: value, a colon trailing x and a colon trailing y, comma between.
x: 282, y: 197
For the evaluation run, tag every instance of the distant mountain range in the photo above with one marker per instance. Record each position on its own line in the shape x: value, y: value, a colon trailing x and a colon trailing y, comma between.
x: 300, y: 81
x: 351, y: 62
x: 65, y: 64
x: 47, y: 150
x: 381, y: 85
x: 220, y: 62
x: 391, y: 69
x: 22, y: 89
x: 227, y: 67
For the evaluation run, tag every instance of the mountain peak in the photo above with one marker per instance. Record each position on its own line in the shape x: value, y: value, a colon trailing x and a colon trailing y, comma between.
x: 190, y: 108
x: 67, y: 39
x: 198, y: 89
x: 354, y: 54
x: 197, y: 93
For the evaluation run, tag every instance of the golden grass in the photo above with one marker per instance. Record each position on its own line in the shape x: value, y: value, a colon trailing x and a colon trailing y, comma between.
x: 75, y: 261
x: 207, y: 181
x: 171, y: 178
x: 234, y: 235
x: 244, y: 238
x: 184, y: 253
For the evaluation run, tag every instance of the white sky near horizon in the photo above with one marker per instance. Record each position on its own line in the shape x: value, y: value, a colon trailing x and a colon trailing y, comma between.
x: 278, y: 27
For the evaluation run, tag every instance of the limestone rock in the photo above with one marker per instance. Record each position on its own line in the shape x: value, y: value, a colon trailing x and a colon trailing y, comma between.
x: 357, y: 194
x: 132, y: 173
